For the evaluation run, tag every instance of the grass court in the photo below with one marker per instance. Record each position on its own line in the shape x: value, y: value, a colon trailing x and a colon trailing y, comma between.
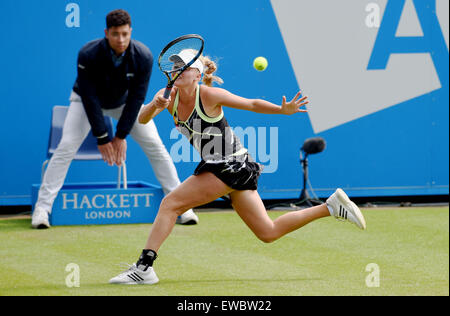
x: 222, y: 257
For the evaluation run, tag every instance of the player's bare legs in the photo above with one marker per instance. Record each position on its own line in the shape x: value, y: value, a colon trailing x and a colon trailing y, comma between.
x: 193, y: 192
x: 249, y: 206
x: 206, y: 187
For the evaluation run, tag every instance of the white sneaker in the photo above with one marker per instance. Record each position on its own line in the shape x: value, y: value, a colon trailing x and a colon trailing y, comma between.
x: 344, y: 209
x: 134, y: 276
x: 188, y: 218
x: 39, y: 219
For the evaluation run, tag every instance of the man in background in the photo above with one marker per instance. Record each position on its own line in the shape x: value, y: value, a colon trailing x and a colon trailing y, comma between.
x: 113, y: 78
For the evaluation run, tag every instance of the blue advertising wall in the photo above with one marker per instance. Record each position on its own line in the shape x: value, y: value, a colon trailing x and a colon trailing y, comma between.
x: 386, y: 132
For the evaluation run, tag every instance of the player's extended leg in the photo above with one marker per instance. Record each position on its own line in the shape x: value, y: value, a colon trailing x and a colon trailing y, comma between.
x: 249, y: 206
x: 147, y: 137
x: 194, y: 191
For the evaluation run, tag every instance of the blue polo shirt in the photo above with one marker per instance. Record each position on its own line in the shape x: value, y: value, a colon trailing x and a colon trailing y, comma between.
x: 117, y: 60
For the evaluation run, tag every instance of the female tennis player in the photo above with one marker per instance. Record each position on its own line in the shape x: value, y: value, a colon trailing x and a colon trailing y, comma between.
x: 226, y: 167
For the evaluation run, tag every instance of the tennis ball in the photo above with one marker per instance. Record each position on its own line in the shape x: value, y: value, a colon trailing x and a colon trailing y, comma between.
x: 260, y: 63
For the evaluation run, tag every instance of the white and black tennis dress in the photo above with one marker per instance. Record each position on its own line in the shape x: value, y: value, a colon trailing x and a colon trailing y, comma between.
x: 221, y: 151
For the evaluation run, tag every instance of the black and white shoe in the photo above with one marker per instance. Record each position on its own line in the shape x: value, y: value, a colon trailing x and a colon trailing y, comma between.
x: 134, y: 276
x: 344, y: 209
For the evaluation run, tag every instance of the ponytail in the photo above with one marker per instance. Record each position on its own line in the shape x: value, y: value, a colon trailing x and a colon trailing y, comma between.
x: 210, y: 69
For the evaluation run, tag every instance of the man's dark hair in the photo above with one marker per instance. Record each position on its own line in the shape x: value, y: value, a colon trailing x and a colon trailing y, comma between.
x: 117, y: 18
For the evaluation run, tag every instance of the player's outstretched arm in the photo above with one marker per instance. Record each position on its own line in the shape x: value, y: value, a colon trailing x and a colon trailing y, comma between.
x: 222, y: 97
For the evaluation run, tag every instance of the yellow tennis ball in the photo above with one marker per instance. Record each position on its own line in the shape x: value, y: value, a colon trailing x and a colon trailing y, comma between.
x: 260, y: 63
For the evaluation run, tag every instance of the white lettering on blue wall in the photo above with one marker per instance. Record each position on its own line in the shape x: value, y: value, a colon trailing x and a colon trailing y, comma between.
x: 73, y: 201
x: 73, y: 18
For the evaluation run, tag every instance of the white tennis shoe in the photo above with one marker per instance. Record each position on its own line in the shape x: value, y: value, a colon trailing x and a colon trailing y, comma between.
x: 342, y: 208
x: 134, y: 276
x: 188, y: 218
x: 39, y: 219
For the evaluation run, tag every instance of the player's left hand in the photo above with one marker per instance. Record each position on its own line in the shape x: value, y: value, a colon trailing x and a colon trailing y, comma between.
x: 120, y: 149
x: 294, y: 105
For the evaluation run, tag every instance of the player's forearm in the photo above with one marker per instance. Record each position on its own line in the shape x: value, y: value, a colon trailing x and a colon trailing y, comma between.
x: 149, y: 112
x: 265, y: 107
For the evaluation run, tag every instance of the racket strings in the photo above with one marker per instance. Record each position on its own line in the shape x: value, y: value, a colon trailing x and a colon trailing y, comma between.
x: 168, y: 65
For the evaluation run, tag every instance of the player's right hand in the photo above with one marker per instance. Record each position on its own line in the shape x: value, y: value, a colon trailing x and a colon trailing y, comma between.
x: 161, y: 102
x: 108, y: 153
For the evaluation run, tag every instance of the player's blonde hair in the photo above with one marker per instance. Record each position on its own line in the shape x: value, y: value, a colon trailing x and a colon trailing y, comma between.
x: 208, y: 73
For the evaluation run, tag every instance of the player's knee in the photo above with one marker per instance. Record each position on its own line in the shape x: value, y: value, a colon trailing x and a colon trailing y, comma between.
x: 171, y: 205
x: 167, y: 204
x: 266, y: 237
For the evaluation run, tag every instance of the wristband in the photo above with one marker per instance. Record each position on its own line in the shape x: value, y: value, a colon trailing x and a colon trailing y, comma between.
x: 104, y: 139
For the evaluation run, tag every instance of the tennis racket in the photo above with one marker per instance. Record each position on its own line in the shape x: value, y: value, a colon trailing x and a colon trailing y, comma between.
x: 173, y: 70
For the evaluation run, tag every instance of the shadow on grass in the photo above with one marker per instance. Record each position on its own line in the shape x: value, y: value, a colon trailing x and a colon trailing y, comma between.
x: 266, y: 281
x: 9, y: 225
x: 41, y: 289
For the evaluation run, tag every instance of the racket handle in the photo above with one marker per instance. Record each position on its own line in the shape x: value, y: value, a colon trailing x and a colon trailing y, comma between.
x: 167, y: 92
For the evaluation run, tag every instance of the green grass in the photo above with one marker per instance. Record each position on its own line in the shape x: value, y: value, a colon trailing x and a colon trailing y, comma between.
x: 221, y: 256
